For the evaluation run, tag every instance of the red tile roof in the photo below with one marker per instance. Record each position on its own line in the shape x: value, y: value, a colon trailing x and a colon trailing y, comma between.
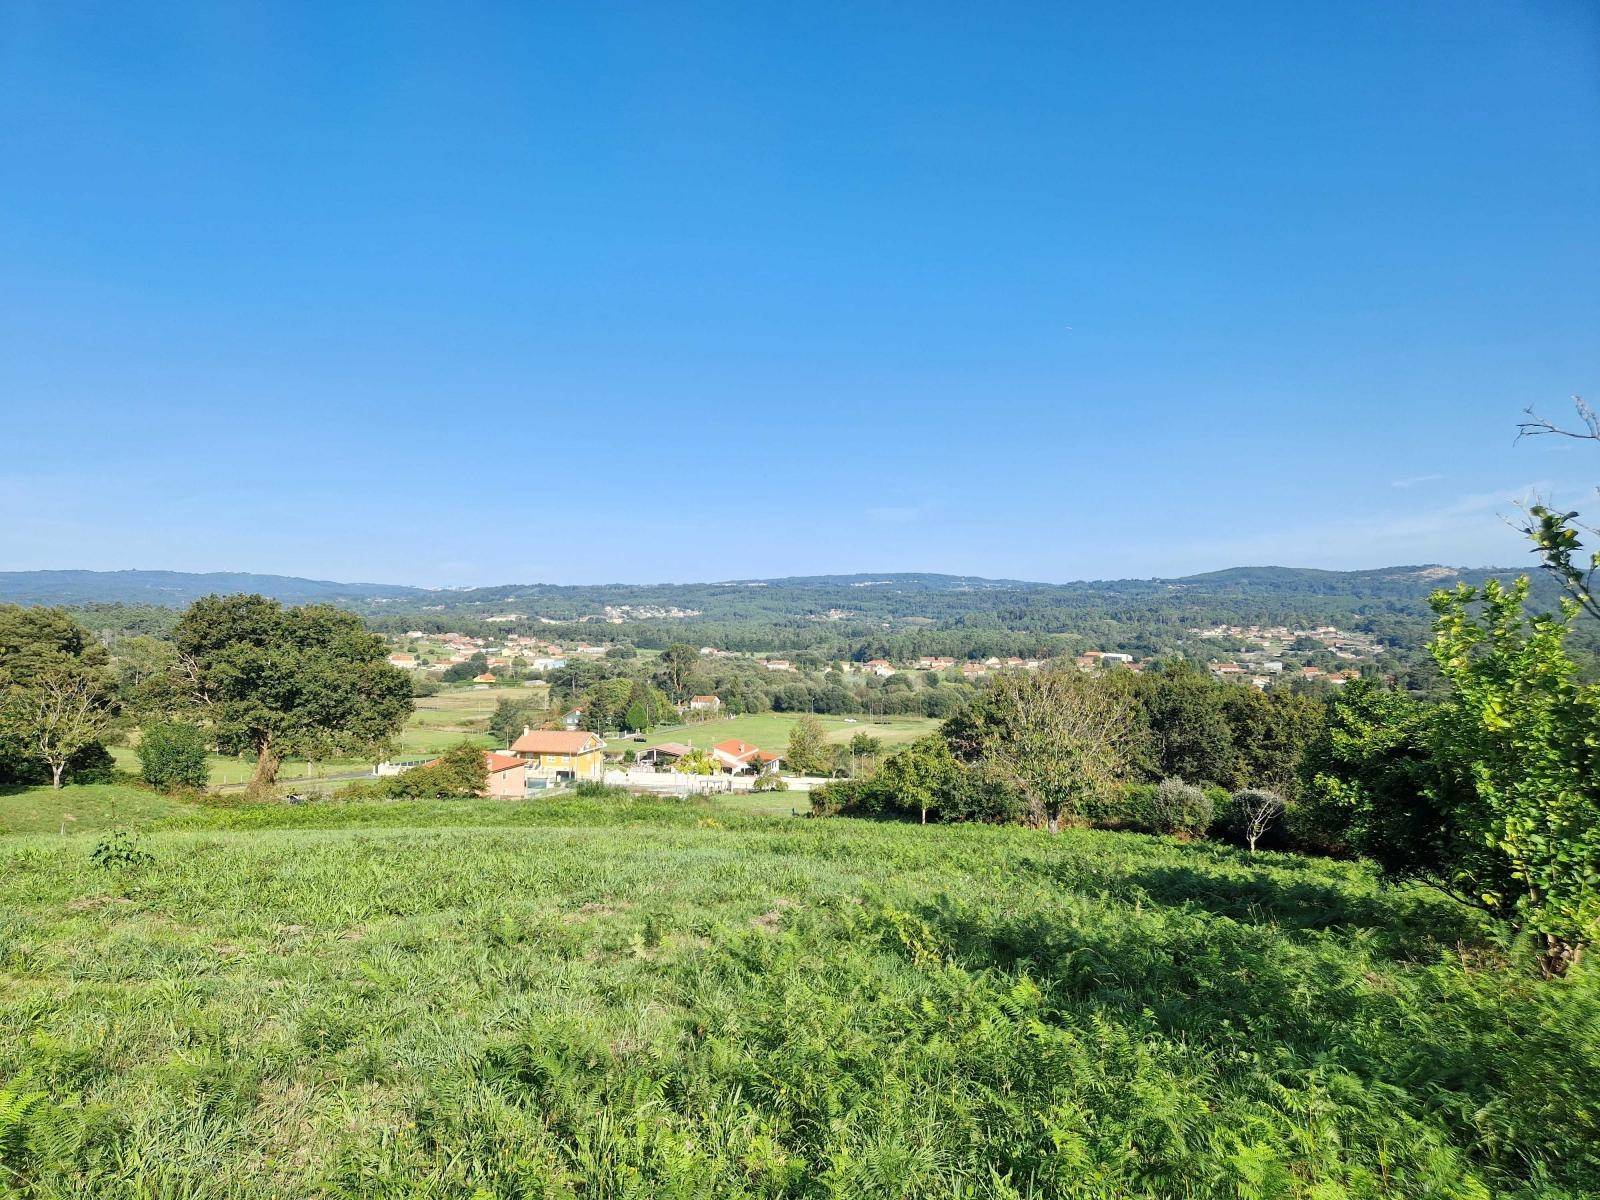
x: 744, y: 751
x: 555, y: 741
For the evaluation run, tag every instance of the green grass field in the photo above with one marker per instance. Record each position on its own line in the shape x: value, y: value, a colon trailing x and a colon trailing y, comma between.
x: 437, y: 723
x: 452, y: 716
x: 770, y: 731
x: 625, y: 999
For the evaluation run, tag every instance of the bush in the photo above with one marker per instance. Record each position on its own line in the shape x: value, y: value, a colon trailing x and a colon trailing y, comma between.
x: 848, y: 798
x: 458, y: 774
x: 120, y: 851
x: 981, y: 794
x: 172, y: 756
x: 1179, y: 807
x: 593, y: 789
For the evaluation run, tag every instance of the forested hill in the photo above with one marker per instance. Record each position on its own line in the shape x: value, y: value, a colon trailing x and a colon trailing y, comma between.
x: 889, y: 595
x: 176, y: 589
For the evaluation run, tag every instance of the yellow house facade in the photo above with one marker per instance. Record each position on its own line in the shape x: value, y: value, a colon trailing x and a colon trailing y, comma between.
x: 561, y: 755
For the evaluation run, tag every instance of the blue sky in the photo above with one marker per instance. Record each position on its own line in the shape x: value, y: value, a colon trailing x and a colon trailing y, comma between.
x: 462, y: 293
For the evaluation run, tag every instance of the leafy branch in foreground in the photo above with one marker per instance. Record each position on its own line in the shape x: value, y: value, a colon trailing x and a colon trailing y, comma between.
x: 1525, y: 734
x: 1555, y: 534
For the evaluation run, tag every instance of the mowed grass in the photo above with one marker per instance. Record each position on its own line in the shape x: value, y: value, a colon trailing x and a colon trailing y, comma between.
x: 436, y: 724
x: 82, y: 808
x: 770, y: 731
x: 627, y: 999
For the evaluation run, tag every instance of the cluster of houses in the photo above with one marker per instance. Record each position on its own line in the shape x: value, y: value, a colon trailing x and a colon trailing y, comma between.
x: 544, y: 758
x: 732, y: 757
x: 446, y: 650
x: 1262, y: 675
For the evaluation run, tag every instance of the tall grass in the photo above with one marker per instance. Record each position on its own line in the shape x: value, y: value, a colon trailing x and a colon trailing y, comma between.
x: 653, y: 1000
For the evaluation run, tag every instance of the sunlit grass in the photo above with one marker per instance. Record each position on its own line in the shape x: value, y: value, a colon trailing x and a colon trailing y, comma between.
x: 626, y: 998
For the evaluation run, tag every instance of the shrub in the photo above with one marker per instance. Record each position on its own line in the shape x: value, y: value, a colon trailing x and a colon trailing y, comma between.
x: 1179, y: 807
x: 848, y: 798
x: 119, y: 850
x: 458, y: 774
x: 980, y: 793
x: 172, y: 755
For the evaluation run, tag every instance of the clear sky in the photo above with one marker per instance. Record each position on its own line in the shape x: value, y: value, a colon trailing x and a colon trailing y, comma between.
x: 478, y: 293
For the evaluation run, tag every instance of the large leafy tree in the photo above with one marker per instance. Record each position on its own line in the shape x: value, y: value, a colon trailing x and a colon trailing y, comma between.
x: 1529, y: 734
x: 1056, y: 738
x: 62, y: 710
x: 807, y: 752
x: 921, y: 776
x: 1189, y: 731
x: 277, y: 681
x: 1270, y: 732
x: 1373, y: 783
x: 56, y: 699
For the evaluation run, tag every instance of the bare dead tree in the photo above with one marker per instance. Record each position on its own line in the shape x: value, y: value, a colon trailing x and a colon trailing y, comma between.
x: 1257, y: 810
x: 1555, y: 535
x: 1537, y: 426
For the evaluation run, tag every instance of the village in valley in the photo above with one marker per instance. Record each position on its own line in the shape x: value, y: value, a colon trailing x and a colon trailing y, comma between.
x: 565, y: 744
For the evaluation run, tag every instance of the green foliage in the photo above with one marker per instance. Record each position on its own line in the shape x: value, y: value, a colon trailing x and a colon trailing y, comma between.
x: 1185, y: 715
x: 274, y: 681
x: 512, y: 716
x: 468, y: 668
x: 1528, y: 734
x: 1059, y: 738
x: 632, y: 999
x: 808, y: 752
x: 920, y: 776
x: 459, y: 773
x: 172, y: 755
x: 1179, y: 807
x: 696, y: 762
x: 120, y: 850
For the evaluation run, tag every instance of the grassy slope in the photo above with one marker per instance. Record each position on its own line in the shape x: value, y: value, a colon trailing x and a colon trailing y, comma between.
x: 642, y: 1000
x: 81, y: 808
x: 770, y: 731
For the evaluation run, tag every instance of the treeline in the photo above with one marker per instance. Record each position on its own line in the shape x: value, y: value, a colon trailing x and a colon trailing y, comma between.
x: 235, y: 674
x: 1062, y: 746
x: 1491, y: 794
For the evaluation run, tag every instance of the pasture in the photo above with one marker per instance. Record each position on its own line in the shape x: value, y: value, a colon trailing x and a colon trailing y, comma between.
x: 770, y: 731
x: 436, y: 723
x: 628, y: 999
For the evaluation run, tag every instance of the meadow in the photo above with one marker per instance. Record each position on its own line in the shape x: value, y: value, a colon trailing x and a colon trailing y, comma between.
x: 617, y: 998
x: 770, y: 731
x: 436, y: 724
x: 441, y: 721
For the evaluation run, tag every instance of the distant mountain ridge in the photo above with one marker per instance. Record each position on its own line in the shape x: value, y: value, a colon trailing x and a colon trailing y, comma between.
x: 175, y: 589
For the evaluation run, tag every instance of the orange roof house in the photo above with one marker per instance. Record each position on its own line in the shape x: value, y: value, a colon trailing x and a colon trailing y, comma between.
x: 561, y: 755
x: 736, y: 756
